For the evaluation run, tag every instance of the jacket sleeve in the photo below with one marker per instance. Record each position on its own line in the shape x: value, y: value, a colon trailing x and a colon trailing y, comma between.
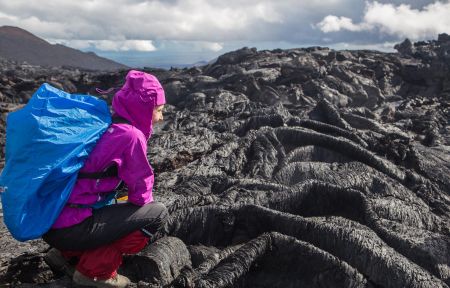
x: 136, y: 172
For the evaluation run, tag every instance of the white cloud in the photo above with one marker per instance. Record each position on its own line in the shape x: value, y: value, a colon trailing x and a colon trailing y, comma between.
x: 77, y: 44
x: 199, y: 20
x: 108, y: 45
x: 212, y: 21
x: 333, y: 23
x: 211, y: 25
x: 127, y: 45
x: 7, y: 18
x: 401, y: 20
x: 406, y: 22
x: 216, y: 47
x: 208, y: 46
x: 385, y: 47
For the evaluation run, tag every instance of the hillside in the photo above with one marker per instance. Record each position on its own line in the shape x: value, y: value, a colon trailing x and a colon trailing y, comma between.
x: 19, y: 45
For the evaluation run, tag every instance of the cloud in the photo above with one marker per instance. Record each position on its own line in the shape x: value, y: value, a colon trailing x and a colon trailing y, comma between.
x: 199, y: 20
x: 108, y: 45
x: 7, y: 18
x: 213, y: 21
x: 208, y: 46
x: 385, y: 47
x: 127, y: 45
x: 333, y: 23
x: 214, y: 25
x: 401, y: 21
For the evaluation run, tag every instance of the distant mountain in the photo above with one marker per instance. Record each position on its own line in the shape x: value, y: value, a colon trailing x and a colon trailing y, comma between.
x: 20, y: 45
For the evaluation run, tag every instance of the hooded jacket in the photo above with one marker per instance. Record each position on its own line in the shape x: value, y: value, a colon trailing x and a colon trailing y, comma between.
x: 124, y: 145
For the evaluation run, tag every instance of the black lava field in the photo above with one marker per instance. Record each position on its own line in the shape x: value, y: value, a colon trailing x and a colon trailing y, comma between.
x: 285, y: 168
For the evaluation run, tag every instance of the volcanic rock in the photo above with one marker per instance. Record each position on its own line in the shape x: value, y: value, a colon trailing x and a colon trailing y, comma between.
x: 285, y: 168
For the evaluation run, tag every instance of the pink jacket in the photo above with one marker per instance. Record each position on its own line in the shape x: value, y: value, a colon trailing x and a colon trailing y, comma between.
x: 122, y: 144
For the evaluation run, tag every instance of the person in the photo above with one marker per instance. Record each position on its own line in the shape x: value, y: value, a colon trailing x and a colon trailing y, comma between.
x: 98, y: 238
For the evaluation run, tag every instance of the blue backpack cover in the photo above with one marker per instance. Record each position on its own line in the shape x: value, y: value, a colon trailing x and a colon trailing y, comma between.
x: 47, y: 142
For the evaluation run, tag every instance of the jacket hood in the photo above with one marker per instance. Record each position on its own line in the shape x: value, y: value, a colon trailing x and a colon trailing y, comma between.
x: 137, y: 98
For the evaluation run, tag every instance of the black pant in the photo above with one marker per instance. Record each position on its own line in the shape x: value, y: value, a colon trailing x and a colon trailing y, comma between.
x: 107, y: 225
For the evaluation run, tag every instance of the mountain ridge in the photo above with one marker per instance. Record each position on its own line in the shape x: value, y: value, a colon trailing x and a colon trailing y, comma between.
x: 20, y: 45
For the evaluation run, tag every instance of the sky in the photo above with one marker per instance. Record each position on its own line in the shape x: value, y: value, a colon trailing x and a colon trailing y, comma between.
x: 154, y: 33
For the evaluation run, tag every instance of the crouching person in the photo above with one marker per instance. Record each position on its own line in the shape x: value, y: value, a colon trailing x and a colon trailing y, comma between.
x: 94, y: 235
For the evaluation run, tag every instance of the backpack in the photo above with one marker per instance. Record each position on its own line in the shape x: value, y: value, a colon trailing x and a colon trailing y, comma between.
x: 47, y: 143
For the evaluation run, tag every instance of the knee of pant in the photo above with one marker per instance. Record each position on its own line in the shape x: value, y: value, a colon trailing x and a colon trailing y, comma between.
x: 158, y: 211
x: 164, y: 215
x: 50, y: 241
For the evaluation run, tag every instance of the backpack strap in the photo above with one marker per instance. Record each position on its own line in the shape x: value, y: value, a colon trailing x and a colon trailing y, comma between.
x: 107, y: 91
x: 107, y: 200
x: 119, y: 120
x: 111, y: 171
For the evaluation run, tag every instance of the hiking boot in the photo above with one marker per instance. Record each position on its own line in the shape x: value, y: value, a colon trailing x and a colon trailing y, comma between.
x: 117, y: 281
x: 56, y: 261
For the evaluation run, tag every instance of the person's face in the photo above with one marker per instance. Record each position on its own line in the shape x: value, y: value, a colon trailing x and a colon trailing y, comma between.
x: 157, y: 114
